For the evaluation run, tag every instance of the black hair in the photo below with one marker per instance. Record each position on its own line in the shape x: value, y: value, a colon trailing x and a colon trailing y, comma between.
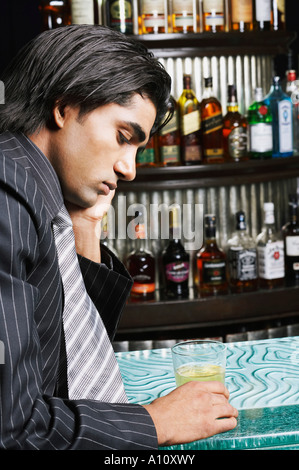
x: 83, y: 66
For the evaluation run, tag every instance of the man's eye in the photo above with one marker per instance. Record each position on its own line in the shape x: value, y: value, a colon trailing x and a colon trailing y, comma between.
x: 123, y: 139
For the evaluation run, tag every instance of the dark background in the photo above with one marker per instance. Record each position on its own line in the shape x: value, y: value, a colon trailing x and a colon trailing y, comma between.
x: 20, y: 21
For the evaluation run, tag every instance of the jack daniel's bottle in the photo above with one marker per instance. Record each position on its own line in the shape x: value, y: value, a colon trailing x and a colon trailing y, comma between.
x: 242, y: 258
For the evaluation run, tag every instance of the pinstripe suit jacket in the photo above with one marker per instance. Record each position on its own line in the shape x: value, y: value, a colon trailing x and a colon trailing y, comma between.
x: 33, y: 415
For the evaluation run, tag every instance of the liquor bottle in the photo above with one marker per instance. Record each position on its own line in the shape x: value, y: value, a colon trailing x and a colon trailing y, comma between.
x: 170, y: 139
x: 242, y: 258
x: 241, y: 15
x: 175, y: 260
x: 147, y: 157
x: 189, y: 109
x: 270, y: 252
x: 262, y: 15
x: 278, y: 15
x: 55, y: 13
x: 214, y: 15
x: 211, y: 263
x: 86, y: 12
x: 120, y: 15
x: 235, y: 130
x: 282, y: 125
x: 290, y: 232
x: 184, y: 16
x: 153, y: 17
x: 141, y: 264
x: 211, y: 125
x: 259, y: 119
x: 292, y: 90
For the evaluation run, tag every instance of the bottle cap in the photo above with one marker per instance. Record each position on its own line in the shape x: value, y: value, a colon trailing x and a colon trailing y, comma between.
x: 232, y: 94
x: 291, y: 75
x: 208, y: 82
x: 210, y: 220
x: 240, y: 217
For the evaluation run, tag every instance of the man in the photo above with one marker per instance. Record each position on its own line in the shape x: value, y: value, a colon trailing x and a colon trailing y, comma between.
x: 81, y: 101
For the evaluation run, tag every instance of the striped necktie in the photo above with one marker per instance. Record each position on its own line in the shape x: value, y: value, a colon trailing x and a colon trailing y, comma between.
x: 92, y: 368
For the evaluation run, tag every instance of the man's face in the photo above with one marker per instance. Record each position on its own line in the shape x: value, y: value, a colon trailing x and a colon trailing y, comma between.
x: 90, y: 155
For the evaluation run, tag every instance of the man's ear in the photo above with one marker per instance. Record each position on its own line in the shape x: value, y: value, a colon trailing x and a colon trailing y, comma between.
x: 58, y: 115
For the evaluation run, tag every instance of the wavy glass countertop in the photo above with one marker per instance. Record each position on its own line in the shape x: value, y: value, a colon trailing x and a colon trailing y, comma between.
x: 263, y: 381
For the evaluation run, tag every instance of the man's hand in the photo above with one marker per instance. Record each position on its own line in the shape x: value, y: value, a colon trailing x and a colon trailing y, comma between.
x: 87, y: 226
x: 192, y: 412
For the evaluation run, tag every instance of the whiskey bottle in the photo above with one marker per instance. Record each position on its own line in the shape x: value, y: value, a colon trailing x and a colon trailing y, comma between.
x: 280, y: 105
x: 153, y: 17
x: 169, y: 140
x: 262, y: 15
x: 211, y: 125
x: 242, y: 258
x: 211, y: 263
x: 86, y: 12
x: 259, y: 119
x: 175, y: 260
x: 141, y: 264
x: 290, y: 232
x: 235, y: 130
x: 270, y: 252
x: 241, y: 15
x: 214, y: 15
x: 292, y: 90
x: 119, y: 15
x: 184, y: 16
x: 55, y: 13
x: 189, y: 108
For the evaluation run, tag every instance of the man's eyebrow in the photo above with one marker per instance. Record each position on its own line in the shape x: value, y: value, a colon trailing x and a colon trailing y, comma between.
x: 138, y: 131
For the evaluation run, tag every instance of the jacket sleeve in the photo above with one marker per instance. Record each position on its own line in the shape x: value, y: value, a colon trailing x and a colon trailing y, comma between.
x: 31, y: 417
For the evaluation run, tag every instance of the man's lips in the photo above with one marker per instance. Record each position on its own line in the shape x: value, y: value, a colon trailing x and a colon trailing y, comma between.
x: 107, y: 187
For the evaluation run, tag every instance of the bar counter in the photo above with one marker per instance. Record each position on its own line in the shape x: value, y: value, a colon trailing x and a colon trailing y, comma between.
x: 262, y: 378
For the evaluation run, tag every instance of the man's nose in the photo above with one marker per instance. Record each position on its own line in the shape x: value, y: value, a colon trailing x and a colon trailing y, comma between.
x: 126, y: 166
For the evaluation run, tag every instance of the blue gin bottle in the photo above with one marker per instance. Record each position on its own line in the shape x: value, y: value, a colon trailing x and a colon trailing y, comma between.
x: 282, y: 120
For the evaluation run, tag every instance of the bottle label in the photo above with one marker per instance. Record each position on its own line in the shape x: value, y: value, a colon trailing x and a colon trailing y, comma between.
x: 153, y: 7
x: 261, y: 137
x: 243, y: 263
x: 214, y: 272
x: 292, y: 246
x: 263, y: 10
x: 143, y: 288
x: 209, y: 5
x: 212, y: 123
x: 237, y: 143
x: 183, y: 6
x: 191, y: 122
x: 170, y: 154
x: 271, y: 260
x: 82, y: 12
x: 213, y: 10
x: 172, y: 126
x: 177, y: 272
x: 192, y: 153
x: 147, y: 156
x: 121, y: 11
x: 241, y: 11
x: 285, y: 126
